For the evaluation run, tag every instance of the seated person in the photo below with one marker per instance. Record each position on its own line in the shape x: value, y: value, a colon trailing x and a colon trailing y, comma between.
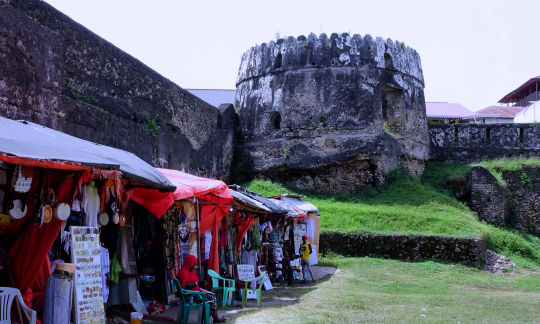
x: 190, y: 281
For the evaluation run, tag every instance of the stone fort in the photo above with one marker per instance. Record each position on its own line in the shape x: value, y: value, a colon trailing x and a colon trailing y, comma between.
x: 333, y: 113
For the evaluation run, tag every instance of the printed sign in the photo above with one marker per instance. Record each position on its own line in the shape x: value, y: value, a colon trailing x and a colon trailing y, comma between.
x: 267, y: 284
x: 85, y: 255
x: 245, y: 272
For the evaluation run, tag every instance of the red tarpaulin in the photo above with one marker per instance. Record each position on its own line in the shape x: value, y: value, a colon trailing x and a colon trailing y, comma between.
x: 187, y: 186
x: 201, y: 188
x: 211, y: 216
x: 46, y: 164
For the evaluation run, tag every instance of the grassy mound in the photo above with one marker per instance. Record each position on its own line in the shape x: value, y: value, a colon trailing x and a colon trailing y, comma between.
x: 412, y: 206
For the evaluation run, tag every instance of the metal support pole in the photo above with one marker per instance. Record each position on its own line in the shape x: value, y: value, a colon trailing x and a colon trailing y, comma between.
x: 198, y: 239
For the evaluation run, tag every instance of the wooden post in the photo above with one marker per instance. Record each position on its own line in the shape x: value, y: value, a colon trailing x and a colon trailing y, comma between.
x: 199, y: 263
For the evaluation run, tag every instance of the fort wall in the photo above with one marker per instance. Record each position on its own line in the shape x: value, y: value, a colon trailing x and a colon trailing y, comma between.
x: 57, y: 73
x: 473, y: 142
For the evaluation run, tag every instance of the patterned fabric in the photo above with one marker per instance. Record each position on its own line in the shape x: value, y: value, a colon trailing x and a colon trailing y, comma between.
x: 58, y: 297
x: 170, y: 226
x: 211, y: 299
x: 61, y: 274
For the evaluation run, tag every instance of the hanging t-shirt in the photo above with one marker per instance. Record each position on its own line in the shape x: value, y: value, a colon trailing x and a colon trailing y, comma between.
x: 105, y: 268
x: 90, y: 204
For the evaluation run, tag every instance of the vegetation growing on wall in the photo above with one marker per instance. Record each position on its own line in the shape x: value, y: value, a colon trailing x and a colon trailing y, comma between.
x: 498, y: 166
x: 150, y: 123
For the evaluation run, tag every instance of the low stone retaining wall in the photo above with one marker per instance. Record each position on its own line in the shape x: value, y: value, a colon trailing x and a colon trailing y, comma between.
x: 405, y: 247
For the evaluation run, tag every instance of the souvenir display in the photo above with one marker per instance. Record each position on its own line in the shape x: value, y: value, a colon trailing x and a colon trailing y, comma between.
x: 116, y: 218
x: 62, y: 211
x: 18, y: 211
x: 85, y: 253
x: 122, y: 220
x: 183, y: 227
x: 103, y: 219
x: 298, y: 231
x: 47, y: 214
x: 23, y: 179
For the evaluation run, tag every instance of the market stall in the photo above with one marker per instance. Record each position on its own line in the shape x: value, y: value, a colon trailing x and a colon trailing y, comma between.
x: 190, y: 222
x: 55, y: 191
x: 311, y: 216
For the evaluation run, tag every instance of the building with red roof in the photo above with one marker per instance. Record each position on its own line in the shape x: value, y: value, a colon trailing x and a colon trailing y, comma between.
x: 496, y: 115
x: 447, y: 112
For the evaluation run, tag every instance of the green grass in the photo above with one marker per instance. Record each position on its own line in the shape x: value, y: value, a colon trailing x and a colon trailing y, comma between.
x: 403, y: 205
x: 498, y: 166
x: 368, y: 290
x: 412, y: 206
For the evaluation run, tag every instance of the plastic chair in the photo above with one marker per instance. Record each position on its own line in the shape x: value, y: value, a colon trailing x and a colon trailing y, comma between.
x: 190, y: 299
x: 227, y: 287
x: 258, y: 290
x: 6, y: 299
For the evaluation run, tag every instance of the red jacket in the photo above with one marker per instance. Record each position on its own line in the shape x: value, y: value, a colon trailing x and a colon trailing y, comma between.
x: 185, y: 275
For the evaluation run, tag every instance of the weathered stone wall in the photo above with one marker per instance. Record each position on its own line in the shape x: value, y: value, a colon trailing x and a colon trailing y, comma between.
x: 57, y: 73
x: 488, y: 197
x: 515, y: 203
x: 331, y: 114
x: 474, y: 142
x: 405, y: 247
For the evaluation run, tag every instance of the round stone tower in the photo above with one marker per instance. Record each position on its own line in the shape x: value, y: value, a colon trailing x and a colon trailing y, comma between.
x: 331, y: 114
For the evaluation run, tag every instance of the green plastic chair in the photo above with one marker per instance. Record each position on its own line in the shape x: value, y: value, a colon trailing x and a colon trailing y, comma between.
x: 227, y: 287
x: 190, y: 299
x: 258, y: 290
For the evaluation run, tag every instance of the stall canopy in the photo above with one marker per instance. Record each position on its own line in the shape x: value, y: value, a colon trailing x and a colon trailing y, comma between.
x: 26, y: 143
x: 245, y: 203
x: 200, y: 188
x: 273, y: 206
x: 187, y: 187
x: 291, y: 210
x: 298, y: 202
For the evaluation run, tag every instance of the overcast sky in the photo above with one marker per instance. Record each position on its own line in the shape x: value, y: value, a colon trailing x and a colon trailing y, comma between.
x: 473, y: 52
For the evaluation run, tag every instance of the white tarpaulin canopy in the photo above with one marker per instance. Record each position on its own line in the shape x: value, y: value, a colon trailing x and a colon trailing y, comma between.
x: 32, y: 141
x: 299, y: 203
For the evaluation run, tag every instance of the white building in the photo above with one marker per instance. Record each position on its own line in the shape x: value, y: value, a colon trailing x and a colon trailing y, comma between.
x: 526, y: 97
x: 530, y: 114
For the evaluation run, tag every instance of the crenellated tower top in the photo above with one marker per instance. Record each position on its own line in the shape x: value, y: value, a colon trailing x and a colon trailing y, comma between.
x: 335, y: 51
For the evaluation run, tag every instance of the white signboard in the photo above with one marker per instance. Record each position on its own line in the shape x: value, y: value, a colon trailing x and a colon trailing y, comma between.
x: 245, y: 272
x: 85, y: 254
x: 267, y: 283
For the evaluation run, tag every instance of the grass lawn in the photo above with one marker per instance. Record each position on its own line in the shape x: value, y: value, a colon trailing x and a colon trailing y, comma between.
x: 380, y: 290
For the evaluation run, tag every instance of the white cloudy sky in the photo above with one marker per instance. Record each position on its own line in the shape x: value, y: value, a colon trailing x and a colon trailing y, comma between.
x: 473, y: 52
